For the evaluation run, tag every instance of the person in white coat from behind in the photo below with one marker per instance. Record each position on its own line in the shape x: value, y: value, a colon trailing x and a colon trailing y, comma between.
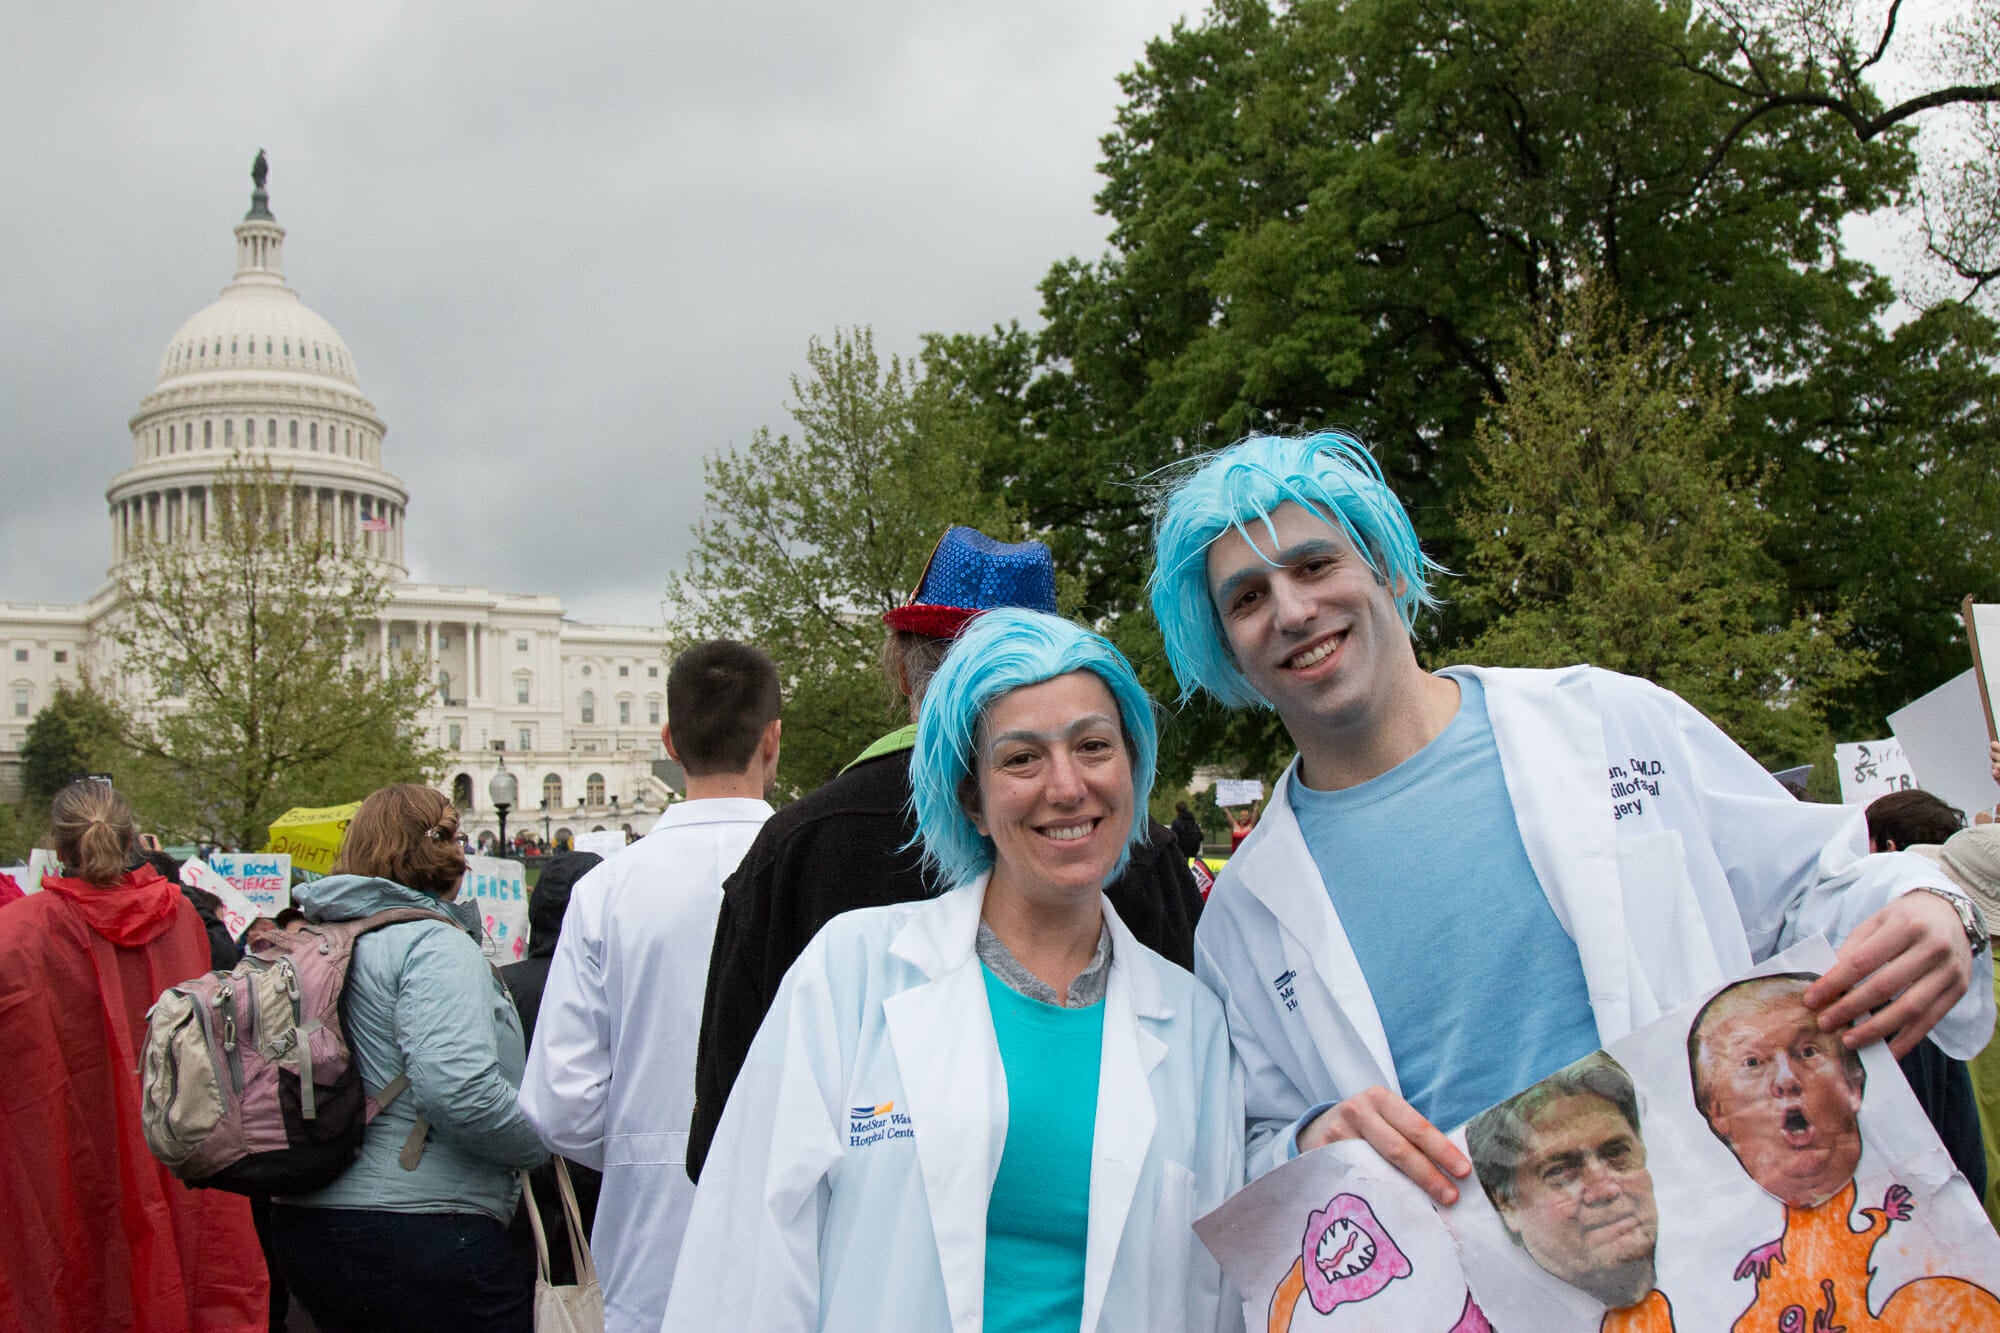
x: 994, y: 1109
x: 610, y: 1078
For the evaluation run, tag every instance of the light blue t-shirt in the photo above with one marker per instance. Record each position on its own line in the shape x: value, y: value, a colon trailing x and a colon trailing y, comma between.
x: 1480, y: 988
x: 1038, y: 1217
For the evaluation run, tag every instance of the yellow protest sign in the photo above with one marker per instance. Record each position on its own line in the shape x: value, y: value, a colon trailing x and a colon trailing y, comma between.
x: 311, y: 835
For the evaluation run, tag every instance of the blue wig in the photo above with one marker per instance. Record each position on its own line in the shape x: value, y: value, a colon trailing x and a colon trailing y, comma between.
x: 1001, y: 651
x: 1330, y: 474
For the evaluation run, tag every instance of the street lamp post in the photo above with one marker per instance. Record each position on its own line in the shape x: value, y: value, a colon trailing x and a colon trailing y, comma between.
x: 545, y: 821
x: 504, y: 790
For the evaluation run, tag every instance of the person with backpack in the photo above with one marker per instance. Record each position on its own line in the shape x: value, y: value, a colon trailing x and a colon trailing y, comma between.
x: 94, y: 1233
x: 413, y: 1235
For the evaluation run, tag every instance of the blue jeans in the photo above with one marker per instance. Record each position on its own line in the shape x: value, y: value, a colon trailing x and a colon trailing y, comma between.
x: 360, y: 1271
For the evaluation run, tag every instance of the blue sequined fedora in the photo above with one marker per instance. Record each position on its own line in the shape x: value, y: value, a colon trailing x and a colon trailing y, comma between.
x: 968, y: 573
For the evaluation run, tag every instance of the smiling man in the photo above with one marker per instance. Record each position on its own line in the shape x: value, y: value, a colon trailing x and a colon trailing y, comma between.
x: 1470, y: 879
x: 1565, y: 1168
x: 1784, y: 1097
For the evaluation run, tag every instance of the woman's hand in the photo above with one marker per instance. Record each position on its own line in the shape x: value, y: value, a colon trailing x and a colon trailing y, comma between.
x: 1393, y: 1128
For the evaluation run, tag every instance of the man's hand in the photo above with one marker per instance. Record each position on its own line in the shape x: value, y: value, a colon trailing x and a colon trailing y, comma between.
x: 1899, y: 973
x: 1392, y: 1127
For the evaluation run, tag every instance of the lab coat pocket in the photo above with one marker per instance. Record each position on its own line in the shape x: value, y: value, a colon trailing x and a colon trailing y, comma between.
x: 1172, y: 1240
x: 1663, y: 920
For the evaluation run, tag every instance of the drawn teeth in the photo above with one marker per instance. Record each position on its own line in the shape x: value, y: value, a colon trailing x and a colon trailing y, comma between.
x: 1344, y: 1250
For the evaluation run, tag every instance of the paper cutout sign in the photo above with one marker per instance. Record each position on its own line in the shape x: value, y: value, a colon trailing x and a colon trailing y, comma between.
x: 1338, y: 1239
x: 500, y: 887
x: 1725, y: 1167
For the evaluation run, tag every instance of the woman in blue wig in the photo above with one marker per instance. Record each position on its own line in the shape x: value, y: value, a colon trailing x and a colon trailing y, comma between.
x: 994, y: 1109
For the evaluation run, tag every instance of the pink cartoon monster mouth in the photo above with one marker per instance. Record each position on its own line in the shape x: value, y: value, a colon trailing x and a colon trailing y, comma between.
x: 1347, y: 1256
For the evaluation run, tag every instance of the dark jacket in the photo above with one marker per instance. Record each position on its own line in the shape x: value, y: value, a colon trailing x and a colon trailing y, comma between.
x: 1187, y: 832
x: 546, y: 906
x: 526, y: 980
x: 838, y: 848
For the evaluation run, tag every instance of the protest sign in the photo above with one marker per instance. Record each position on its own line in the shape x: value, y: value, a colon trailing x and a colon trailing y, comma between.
x: 311, y: 835
x: 1238, y: 791
x: 265, y: 878
x: 1943, y: 735
x: 1724, y: 1166
x: 1982, y: 631
x: 500, y: 888
x: 1338, y: 1239
x: 1869, y: 769
x: 235, y: 911
x: 41, y: 861
x: 605, y: 842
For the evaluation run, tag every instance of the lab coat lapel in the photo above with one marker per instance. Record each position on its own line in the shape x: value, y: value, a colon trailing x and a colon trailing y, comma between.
x: 1279, y: 870
x: 1553, y: 757
x: 949, y: 1061
x: 1126, y: 1117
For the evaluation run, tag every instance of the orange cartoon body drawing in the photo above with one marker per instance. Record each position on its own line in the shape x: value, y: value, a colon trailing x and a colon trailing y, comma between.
x: 1814, y: 1278
x: 1651, y: 1315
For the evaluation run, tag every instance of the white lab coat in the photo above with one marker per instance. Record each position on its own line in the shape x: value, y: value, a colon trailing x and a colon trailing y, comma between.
x: 610, y: 1078
x: 848, y: 1185
x: 1709, y: 865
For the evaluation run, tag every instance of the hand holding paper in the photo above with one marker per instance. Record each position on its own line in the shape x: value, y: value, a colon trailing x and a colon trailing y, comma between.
x: 1393, y: 1128
x: 1899, y: 973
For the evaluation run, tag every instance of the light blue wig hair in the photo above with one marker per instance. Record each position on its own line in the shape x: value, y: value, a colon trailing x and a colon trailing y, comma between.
x: 1330, y: 474
x: 1000, y: 651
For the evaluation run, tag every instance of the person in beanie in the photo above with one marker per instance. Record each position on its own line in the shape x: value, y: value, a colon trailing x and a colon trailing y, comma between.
x: 853, y: 841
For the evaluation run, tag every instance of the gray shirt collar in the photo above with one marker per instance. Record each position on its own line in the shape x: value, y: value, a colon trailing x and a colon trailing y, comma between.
x: 1086, y: 990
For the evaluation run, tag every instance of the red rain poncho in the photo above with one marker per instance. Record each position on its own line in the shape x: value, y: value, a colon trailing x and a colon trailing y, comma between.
x: 94, y: 1233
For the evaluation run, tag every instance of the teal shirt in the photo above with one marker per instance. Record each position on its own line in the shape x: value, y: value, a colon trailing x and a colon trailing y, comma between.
x: 1038, y: 1218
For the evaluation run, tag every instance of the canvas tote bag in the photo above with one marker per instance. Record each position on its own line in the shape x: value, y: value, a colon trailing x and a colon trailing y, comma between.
x: 577, y: 1309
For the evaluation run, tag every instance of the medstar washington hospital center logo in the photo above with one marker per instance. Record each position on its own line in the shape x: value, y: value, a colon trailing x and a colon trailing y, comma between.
x: 875, y: 1122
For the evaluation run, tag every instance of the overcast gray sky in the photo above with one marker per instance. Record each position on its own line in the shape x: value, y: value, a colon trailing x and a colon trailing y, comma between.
x: 573, y: 249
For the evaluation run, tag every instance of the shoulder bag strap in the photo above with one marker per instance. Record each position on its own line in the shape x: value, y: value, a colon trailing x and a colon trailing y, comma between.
x: 579, y: 1243
x: 535, y: 1222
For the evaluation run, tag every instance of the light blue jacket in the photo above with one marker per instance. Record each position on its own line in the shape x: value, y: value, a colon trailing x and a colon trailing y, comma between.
x: 422, y: 1001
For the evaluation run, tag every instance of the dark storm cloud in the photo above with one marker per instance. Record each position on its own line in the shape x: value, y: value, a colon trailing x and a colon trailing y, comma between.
x: 573, y: 249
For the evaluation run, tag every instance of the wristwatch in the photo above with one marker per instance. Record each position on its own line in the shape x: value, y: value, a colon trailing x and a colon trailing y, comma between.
x: 1970, y: 919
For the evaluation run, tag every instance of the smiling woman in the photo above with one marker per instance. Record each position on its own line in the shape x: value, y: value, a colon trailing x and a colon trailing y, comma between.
x: 1007, y: 1059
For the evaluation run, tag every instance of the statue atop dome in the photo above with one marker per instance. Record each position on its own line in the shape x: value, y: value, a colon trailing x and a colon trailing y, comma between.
x: 260, y: 202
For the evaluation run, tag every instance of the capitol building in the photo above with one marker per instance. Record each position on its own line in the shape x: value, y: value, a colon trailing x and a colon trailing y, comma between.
x: 573, y: 710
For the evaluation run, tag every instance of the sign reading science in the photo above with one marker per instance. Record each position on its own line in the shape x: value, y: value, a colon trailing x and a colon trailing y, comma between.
x: 500, y: 887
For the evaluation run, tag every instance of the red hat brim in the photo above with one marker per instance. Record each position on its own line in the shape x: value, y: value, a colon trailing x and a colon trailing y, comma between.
x: 937, y: 622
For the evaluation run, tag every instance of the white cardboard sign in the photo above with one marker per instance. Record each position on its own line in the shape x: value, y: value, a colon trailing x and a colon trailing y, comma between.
x: 1869, y: 769
x: 265, y: 878
x: 500, y: 887
x: 1238, y: 791
x: 1944, y: 736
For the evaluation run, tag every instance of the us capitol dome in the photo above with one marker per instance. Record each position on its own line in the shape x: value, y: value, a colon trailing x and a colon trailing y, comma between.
x: 258, y: 374
x: 574, y: 710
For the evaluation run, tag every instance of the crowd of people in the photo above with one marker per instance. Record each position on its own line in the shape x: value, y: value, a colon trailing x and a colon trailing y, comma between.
x: 952, y: 1041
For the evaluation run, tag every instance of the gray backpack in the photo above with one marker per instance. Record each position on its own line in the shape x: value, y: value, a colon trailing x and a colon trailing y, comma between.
x: 247, y: 1083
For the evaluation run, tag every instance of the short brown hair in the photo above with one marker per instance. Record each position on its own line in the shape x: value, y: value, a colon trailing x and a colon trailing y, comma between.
x: 94, y: 831
x: 405, y: 833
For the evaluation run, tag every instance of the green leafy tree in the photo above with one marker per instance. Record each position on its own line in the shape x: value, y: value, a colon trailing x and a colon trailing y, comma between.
x: 260, y: 685
x: 1605, y: 526
x: 809, y: 537
x: 79, y: 730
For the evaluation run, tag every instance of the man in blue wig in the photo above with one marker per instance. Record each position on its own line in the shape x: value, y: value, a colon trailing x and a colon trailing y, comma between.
x: 852, y: 842
x: 1469, y: 879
